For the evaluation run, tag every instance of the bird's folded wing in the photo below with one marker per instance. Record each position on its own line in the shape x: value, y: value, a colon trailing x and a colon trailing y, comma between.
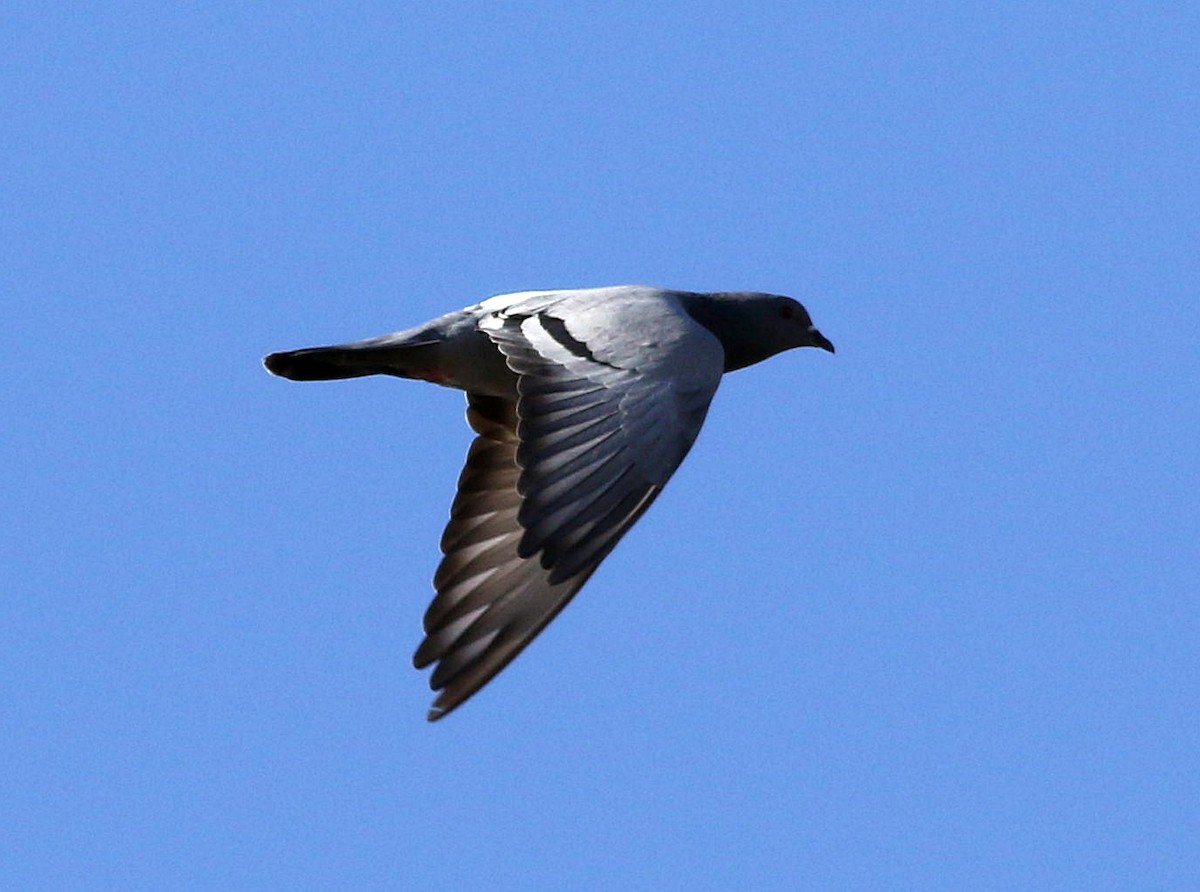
x: 609, y: 404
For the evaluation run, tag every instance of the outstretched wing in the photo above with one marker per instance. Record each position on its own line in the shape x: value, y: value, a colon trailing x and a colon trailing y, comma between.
x: 611, y: 397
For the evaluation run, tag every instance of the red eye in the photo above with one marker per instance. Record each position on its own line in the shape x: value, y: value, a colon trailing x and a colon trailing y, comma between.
x: 786, y: 311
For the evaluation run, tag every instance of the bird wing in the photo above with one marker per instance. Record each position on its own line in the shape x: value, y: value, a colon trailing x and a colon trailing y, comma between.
x: 611, y: 395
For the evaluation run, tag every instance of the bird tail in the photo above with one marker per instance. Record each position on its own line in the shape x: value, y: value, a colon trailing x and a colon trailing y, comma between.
x: 378, y: 356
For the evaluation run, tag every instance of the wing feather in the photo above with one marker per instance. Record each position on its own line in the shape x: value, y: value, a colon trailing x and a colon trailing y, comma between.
x: 552, y: 482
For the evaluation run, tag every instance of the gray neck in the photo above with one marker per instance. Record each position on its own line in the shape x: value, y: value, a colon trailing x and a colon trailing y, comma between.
x: 721, y: 314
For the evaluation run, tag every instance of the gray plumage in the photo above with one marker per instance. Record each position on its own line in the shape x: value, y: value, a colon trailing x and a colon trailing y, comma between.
x: 583, y: 404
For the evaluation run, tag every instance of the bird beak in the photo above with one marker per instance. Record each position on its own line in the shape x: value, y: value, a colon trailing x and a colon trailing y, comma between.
x: 819, y: 340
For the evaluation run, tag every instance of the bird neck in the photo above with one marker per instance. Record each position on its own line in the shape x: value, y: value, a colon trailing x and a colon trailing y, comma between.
x: 719, y: 313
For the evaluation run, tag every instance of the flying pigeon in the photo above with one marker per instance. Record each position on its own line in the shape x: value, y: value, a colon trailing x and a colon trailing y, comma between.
x: 583, y: 404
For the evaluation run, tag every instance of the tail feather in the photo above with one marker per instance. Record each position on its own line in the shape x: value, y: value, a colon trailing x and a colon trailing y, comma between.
x: 348, y: 361
x: 315, y: 364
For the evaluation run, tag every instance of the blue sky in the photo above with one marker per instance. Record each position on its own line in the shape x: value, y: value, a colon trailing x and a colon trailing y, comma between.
x: 920, y: 615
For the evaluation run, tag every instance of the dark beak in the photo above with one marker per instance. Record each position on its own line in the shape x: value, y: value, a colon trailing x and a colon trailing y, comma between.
x: 819, y: 340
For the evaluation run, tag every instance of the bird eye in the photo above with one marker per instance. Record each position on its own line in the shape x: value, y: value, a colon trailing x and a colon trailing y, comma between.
x: 787, y: 311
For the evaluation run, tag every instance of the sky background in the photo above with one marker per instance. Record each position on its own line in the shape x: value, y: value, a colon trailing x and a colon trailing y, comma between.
x: 920, y: 615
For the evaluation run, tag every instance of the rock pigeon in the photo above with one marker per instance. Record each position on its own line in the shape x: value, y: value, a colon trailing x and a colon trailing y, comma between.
x: 583, y: 404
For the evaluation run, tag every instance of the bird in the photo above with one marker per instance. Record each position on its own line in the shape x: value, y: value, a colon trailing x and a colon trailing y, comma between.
x: 583, y: 403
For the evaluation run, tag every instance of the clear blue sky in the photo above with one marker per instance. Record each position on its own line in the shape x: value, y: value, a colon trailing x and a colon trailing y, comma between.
x: 920, y: 615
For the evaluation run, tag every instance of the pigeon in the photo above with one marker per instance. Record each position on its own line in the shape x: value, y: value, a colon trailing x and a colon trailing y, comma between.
x: 583, y: 403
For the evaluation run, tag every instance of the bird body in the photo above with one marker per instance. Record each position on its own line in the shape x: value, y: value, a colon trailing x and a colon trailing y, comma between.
x: 584, y: 403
